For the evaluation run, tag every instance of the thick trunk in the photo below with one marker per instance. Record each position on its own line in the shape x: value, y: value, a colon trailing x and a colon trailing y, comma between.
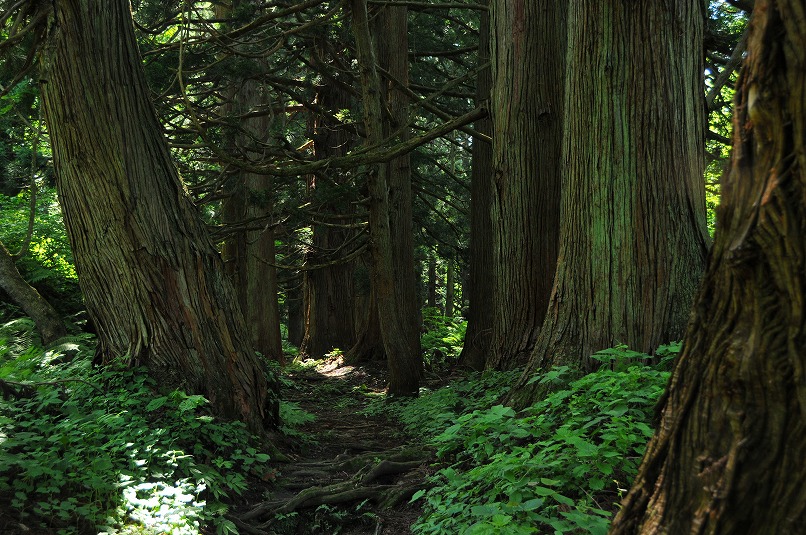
x: 47, y: 320
x: 633, y: 238
x: 728, y: 457
x: 402, y: 351
x: 528, y: 69
x: 153, y: 283
x: 480, y: 315
x: 329, y: 301
x: 259, y: 293
x: 249, y: 254
x: 369, y: 344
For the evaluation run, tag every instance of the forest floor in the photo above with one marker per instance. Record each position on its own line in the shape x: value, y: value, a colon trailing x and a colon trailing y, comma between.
x: 350, y: 471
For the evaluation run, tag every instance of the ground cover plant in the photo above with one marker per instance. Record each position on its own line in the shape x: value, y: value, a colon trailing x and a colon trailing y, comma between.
x: 557, y: 467
x: 89, y: 450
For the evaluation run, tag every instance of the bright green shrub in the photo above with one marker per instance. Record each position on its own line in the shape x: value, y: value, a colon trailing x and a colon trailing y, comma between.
x: 443, y: 336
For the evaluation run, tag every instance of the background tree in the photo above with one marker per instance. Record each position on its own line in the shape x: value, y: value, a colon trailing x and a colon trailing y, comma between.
x: 249, y: 250
x: 528, y: 70
x: 337, y: 233
x: 480, y: 314
x: 632, y: 236
x: 404, y: 359
x: 152, y: 282
x: 728, y: 454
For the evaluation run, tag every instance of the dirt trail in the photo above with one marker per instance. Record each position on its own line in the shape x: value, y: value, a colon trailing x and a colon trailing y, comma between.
x: 349, y: 473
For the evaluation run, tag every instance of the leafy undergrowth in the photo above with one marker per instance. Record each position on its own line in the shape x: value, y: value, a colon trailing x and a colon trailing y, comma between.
x: 560, y: 466
x: 89, y: 451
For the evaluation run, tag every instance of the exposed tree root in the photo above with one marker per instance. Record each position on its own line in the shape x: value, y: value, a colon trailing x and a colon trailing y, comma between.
x: 372, y: 479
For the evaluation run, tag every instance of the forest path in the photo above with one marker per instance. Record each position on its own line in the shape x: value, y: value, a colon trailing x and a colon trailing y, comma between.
x: 350, y: 471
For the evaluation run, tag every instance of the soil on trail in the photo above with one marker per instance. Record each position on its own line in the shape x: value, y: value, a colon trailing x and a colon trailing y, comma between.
x: 349, y: 471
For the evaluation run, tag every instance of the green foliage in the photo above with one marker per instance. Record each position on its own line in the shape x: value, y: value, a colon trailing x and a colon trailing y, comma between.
x: 48, y: 264
x: 292, y: 417
x: 442, y: 338
x: 99, y: 449
x: 556, y: 467
x: 433, y: 411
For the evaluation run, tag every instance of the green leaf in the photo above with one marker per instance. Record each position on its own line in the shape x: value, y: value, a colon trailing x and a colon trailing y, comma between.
x: 156, y: 403
x: 417, y: 495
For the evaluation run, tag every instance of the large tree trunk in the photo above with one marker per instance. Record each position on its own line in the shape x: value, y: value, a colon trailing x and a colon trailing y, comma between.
x: 369, y: 344
x: 47, y: 320
x: 728, y: 457
x: 402, y: 351
x: 633, y: 238
x: 528, y: 69
x: 480, y: 315
x: 153, y: 283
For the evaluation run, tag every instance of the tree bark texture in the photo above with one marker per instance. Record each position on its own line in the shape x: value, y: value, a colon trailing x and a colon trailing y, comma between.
x: 633, y: 237
x: 728, y: 456
x: 153, y: 283
x: 528, y: 69
x: 480, y: 314
x: 296, y: 314
x: 48, y: 322
x: 403, y: 355
x: 369, y: 344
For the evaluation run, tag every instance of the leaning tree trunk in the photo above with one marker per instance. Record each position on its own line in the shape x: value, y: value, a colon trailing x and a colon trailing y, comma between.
x: 401, y: 351
x: 633, y: 238
x: 47, y: 320
x: 528, y: 69
x: 480, y: 313
x: 153, y: 283
x: 728, y: 457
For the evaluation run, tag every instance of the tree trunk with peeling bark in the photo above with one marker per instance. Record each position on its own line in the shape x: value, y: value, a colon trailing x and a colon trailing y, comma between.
x: 633, y: 237
x: 728, y: 456
x: 528, y: 70
x: 153, y: 283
